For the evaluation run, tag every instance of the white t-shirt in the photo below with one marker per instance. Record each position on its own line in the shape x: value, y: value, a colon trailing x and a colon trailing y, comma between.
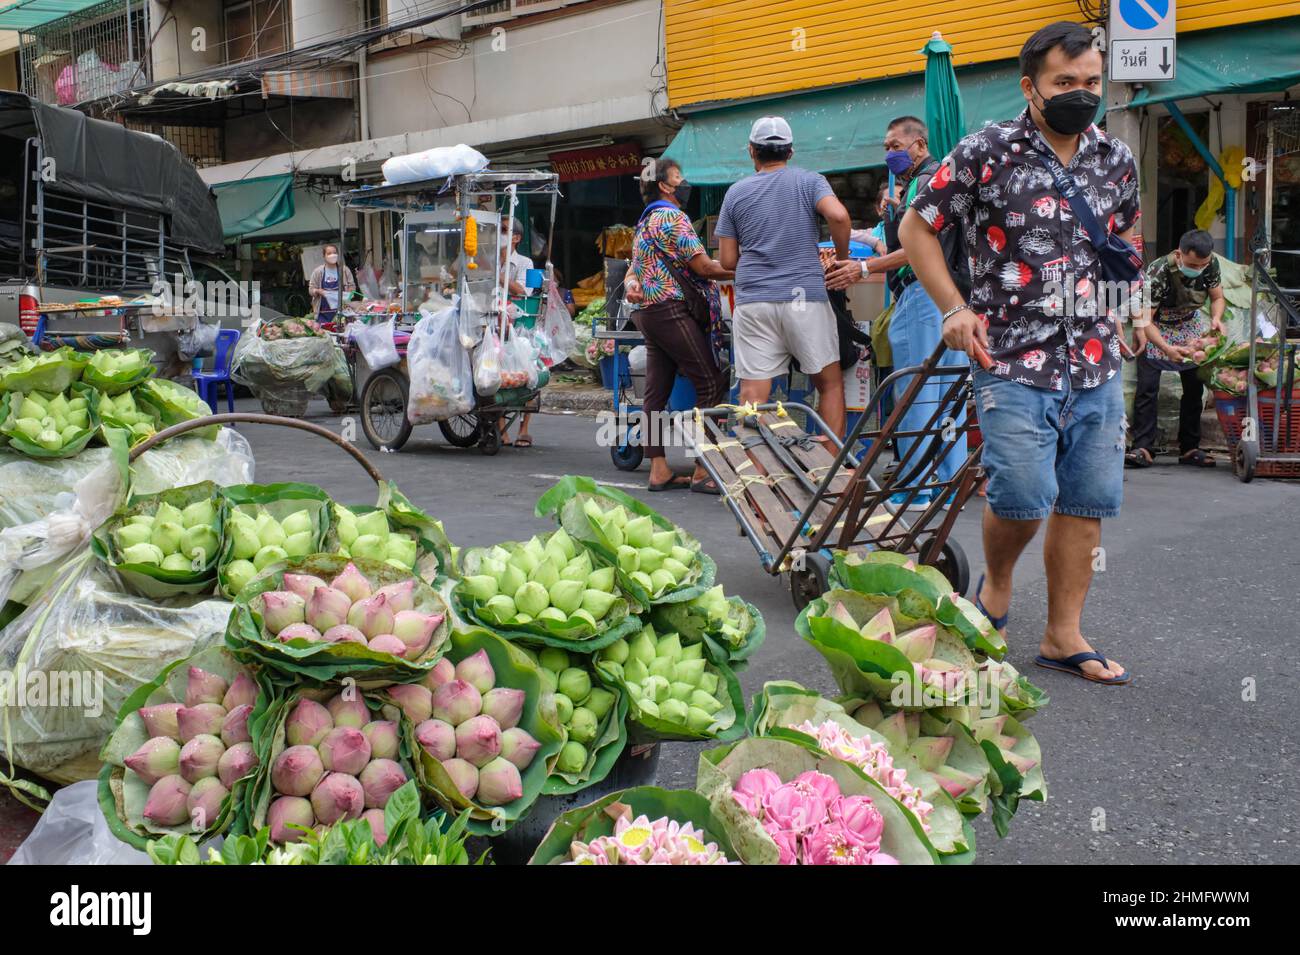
x: 516, y: 266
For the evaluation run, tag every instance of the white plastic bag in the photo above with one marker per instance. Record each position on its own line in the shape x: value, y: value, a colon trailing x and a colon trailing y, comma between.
x: 636, y: 360
x: 434, y: 164
x: 73, y: 831
x: 487, y: 363
x: 376, y: 343
x: 442, y: 380
x: 519, y: 364
x: 558, y: 326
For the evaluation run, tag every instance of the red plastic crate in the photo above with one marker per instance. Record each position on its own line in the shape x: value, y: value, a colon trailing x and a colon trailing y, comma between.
x: 1232, y: 410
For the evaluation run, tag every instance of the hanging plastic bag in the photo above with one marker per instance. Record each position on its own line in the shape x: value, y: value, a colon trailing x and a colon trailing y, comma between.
x: 376, y: 343
x: 558, y: 326
x: 73, y: 831
x: 519, y: 363
x: 487, y: 363
x: 442, y: 380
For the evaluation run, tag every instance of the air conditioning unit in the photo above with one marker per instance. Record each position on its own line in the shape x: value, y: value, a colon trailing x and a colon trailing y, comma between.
x: 448, y: 28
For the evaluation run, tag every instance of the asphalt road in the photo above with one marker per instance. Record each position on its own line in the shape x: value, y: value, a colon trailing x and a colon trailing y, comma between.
x: 1194, y: 762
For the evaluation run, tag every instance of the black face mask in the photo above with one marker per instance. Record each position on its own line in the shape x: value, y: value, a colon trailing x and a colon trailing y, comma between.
x: 682, y: 192
x: 1070, y: 113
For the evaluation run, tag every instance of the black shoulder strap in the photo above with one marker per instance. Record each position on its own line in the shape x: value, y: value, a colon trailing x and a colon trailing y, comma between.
x: 1078, y: 202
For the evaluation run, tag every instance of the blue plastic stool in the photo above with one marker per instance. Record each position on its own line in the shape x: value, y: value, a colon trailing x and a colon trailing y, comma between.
x: 207, y: 382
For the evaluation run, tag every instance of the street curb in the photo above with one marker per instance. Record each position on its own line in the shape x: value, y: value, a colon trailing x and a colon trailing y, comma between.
x: 589, y: 401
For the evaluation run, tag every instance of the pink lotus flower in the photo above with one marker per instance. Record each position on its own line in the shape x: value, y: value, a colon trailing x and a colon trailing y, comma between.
x: 793, y: 808
x: 787, y: 844
x: 820, y: 784
x: 882, y: 858
x: 858, y: 817
x: 831, y: 845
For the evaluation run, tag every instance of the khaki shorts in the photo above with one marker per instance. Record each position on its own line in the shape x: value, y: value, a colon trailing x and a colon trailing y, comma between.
x: 766, y: 335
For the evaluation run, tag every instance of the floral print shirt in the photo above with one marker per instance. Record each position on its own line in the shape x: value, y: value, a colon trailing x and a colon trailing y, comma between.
x: 1034, y: 271
x: 664, y: 233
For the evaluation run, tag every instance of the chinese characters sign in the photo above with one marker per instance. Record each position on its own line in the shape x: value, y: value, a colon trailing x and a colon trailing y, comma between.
x: 621, y: 159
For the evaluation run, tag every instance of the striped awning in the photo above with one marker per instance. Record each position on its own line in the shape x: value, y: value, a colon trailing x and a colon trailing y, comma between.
x: 333, y: 82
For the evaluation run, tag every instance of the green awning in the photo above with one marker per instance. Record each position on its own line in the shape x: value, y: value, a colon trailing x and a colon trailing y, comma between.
x: 1259, y: 58
x: 312, y: 214
x: 29, y: 14
x: 836, y: 129
x: 248, y: 205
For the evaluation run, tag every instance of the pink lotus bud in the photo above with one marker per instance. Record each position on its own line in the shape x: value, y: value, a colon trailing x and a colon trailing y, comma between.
x: 505, y: 705
x: 415, y: 701
x: 457, y: 701
x: 400, y: 596
x: 381, y: 779
x: 382, y: 737
x: 280, y: 608
x: 234, y: 729
x: 236, y: 763
x: 387, y: 643
x: 297, y: 770
x: 442, y: 673
x: 287, y: 811
x: 415, y: 630
x: 1023, y: 764
x: 371, y: 616
x: 344, y: 633
x: 377, y: 829
x: 476, y: 670
x: 478, y: 740
x: 302, y: 584
x: 307, y: 724
x: 437, y: 738
x: 346, y: 712
x: 242, y: 690
x: 344, y: 749
x: 202, y: 720
x: 166, y: 803
x: 299, y: 631
x: 352, y: 582
x: 499, y: 783
x: 203, y: 687
x: 199, y: 757
x: 160, y: 720
x: 327, y: 607
x: 519, y: 747
x: 337, y: 796
x: 463, y: 774
x: 203, y: 805
x: 955, y: 782
x: 158, y: 757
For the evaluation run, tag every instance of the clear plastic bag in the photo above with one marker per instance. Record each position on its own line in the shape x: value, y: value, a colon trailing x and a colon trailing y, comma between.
x: 442, y: 379
x: 73, y: 831
x: 376, y: 342
x: 558, y: 326
x: 260, y: 363
x: 487, y: 363
x: 519, y: 363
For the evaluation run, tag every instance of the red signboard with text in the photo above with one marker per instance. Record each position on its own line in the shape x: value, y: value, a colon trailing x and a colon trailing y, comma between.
x: 621, y: 159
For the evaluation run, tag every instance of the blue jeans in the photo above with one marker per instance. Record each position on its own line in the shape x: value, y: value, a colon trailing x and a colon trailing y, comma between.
x: 914, y: 333
x: 1050, y: 451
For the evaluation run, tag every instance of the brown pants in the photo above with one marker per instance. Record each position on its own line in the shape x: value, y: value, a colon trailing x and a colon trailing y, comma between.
x: 674, y: 342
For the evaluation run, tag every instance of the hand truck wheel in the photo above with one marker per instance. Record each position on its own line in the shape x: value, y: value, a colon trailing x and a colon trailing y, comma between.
x: 811, y: 580
x: 383, y: 410
x: 1244, y: 460
x: 952, y: 563
x: 461, y: 431
x: 628, y: 456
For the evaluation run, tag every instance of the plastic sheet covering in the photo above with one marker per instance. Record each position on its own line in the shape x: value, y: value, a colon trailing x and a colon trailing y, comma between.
x: 182, y: 461
x: 271, y: 365
x: 84, y: 645
x: 72, y: 831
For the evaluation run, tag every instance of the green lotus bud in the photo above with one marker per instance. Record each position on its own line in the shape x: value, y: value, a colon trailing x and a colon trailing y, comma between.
x: 202, y: 538
x: 481, y: 587
x: 299, y: 522
x: 30, y: 427
x: 656, y: 688
x: 345, y: 523
x: 563, y: 708
x: 69, y: 434
x: 681, y: 691
x: 689, y: 671
x: 500, y: 608
x: 664, y: 541
x: 299, y: 545
x: 670, y: 646
x: 573, y: 570
x: 545, y: 574
x: 640, y: 532
x: 575, y: 683
x: 370, y: 546
x: 566, y: 595
x: 167, y: 537
x: 199, y: 513
x: 79, y: 419
x: 643, y: 580
x: 674, y: 711
x: 511, y: 579
x: 662, y: 581
x: 643, y: 646
x: 244, y: 542
x: 523, y: 561
x: 168, y: 514
x: 581, y: 618
x: 708, y: 682
x: 615, y: 670
x: 692, y: 651
x: 238, y: 574
x: 58, y: 405
x: 142, y: 554
x: 635, y: 690
x: 550, y: 682
x: 601, y: 579
x: 704, y: 701
x: 373, y: 522
x: 177, y: 564
x: 573, y: 758
x: 676, y: 568
x: 269, y: 531
x: 698, y: 720
x: 599, y: 701
x: 401, y: 549
x: 683, y: 555
x: 649, y: 560
x: 31, y: 409
x: 662, y: 666
x: 128, y: 535
x: 50, y: 440
x: 616, y: 652
x: 78, y: 404
x: 555, y: 615
x: 269, y: 555
x: 532, y: 598
x: 635, y: 671
x: 583, y: 725
x: 628, y: 559
x: 648, y: 707
x: 611, y: 531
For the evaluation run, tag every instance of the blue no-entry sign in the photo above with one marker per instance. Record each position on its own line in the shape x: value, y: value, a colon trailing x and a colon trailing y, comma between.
x: 1143, y: 37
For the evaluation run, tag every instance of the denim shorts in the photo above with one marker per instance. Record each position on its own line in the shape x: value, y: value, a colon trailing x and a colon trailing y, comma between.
x: 1050, y: 451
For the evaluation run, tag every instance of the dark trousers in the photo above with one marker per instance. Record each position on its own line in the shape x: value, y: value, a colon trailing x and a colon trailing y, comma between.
x: 674, y: 342
x: 1146, y: 398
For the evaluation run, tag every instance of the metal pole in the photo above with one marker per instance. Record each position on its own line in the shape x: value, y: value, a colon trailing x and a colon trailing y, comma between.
x: 1230, y: 194
x: 130, y: 45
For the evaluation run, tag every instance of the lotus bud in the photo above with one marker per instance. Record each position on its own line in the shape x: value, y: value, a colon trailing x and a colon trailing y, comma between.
x: 129, y: 535
x: 511, y: 579
x: 280, y: 608
x: 575, y: 683
x: 628, y: 559
x: 238, y: 575
x: 931, y: 751
x: 203, y: 687
x: 158, y: 757
x: 648, y: 707
x: 244, y: 542
x: 234, y: 729
x: 383, y: 738
x: 177, y: 563
x: 442, y: 672
x: 640, y: 532
x: 297, y: 523
x: 142, y: 554
x: 918, y: 644
x: 401, y: 551
x: 374, y: 523
x: 599, y: 701
x: 505, y: 705
x: 634, y: 671
x: 478, y: 740
x: 1023, y: 764
x: 708, y: 682
x: 347, y: 712
x: 649, y: 560
x: 481, y: 587
x: 308, y: 724
x: 160, y: 720
x: 379, y: 780
x: 601, y: 580
x: 344, y: 633
x: 415, y: 630
x: 955, y: 782
x: 518, y: 746
x: 500, y: 608
x: 302, y: 584
x: 352, y: 582
x: 286, y: 812
x: 545, y: 574
x: 299, y: 631
x: 202, y: 720
x: 203, y: 805
x: 438, y: 739
x: 616, y: 652
x: 372, y: 616
x: 399, y: 596
x: 297, y: 770
x: 554, y: 659
x: 203, y: 539
x: 583, y: 725
x: 680, y: 691
x: 456, y: 702
x: 615, y: 669
x: 476, y: 670
x: 271, y: 554
x: 369, y: 546
x: 269, y: 531
x: 236, y: 763
x: 387, y: 643
x: 166, y: 803
x: 676, y: 568
x: 688, y: 671
x: 499, y: 783
x: 573, y: 757
x: 377, y: 826
x: 167, y: 536
x: 549, y: 680
x: 698, y: 720
x: 198, y: 513
x: 683, y: 555
x: 532, y: 598
x: 415, y: 701
x: 563, y: 708
x: 662, y: 667
x: 661, y: 580
x: 242, y: 690
x: 643, y: 646
x: 199, y: 757
x: 566, y: 595
x: 674, y: 711
x: 337, y: 796
x: 463, y: 775
x: 299, y: 545
x: 344, y: 750
x: 327, y: 607
x: 657, y: 688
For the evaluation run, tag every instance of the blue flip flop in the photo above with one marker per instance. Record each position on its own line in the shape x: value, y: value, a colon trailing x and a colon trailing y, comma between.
x: 1073, y: 664
x: 999, y: 623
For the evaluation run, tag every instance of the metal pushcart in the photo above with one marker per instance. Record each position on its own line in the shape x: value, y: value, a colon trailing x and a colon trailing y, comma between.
x: 442, y: 256
x: 795, y: 501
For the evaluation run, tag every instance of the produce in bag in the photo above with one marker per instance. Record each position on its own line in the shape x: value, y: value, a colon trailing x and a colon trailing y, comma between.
x: 49, y: 425
x: 731, y: 628
x: 113, y: 371
x: 267, y: 524
x: 49, y: 371
x: 376, y: 342
x: 442, y: 379
x: 558, y: 326
x: 518, y: 363
x: 488, y: 360
x: 183, y: 750
x: 164, y: 545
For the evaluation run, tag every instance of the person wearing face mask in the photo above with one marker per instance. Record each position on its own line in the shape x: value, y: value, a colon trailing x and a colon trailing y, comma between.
x: 1051, y: 407
x: 329, y: 285
x: 1177, y: 286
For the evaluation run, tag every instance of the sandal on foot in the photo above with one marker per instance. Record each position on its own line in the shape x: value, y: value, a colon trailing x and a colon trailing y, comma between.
x: 524, y: 441
x: 674, y: 483
x: 1074, y: 665
x: 1138, y: 458
x: 1198, y: 459
x: 999, y: 623
x: 707, y: 486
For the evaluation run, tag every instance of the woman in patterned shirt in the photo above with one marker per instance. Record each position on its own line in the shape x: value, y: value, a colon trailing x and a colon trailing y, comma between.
x: 665, y: 252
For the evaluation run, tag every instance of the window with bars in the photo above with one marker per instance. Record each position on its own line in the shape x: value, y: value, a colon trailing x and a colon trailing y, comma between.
x: 256, y: 28
x: 88, y: 55
x: 202, y: 145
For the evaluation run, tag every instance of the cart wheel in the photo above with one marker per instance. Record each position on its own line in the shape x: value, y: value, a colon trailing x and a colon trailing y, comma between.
x: 812, y: 581
x: 489, y: 441
x: 628, y: 457
x: 952, y: 563
x: 461, y: 431
x: 1244, y: 461
x: 383, y: 410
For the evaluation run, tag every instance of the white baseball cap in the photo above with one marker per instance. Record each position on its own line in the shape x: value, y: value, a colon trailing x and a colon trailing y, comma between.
x: 771, y: 131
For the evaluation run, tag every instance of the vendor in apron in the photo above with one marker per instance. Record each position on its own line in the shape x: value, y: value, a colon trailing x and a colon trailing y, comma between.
x: 1177, y: 286
x: 330, y: 284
